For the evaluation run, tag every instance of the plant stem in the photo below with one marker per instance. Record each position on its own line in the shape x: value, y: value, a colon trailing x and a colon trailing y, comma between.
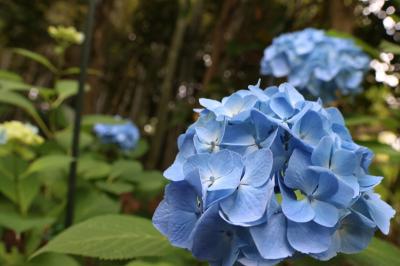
x: 78, y: 114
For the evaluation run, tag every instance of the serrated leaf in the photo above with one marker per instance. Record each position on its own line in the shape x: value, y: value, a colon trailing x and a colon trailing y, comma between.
x: 51, y: 259
x: 19, y: 224
x: 50, y: 162
x: 36, y: 57
x: 112, y: 237
x: 148, y: 263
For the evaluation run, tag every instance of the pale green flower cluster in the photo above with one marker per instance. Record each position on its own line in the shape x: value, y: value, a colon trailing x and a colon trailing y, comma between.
x: 20, y: 132
x: 66, y: 34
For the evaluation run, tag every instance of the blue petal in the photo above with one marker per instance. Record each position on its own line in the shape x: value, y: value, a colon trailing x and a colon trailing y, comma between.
x: 180, y: 227
x: 343, y: 162
x: 215, y: 240
x: 182, y: 196
x: 380, y: 211
x: 353, y: 234
x: 310, y: 128
x: 298, y: 211
x: 279, y: 66
x: 308, y: 237
x: 161, y: 217
x: 247, y: 204
x: 281, y: 107
x: 321, y: 155
x: 270, y: 238
x: 238, y: 135
x: 293, y: 96
x: 209, y: 104
x: 297, y: 176
x: 369, y: 181
x: 258, y: 166
x: 325, y: 213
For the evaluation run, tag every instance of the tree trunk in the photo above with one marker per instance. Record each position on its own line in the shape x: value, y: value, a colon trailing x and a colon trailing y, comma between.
x: 167, y: 85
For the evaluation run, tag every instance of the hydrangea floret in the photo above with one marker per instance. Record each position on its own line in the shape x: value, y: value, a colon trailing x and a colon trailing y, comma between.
x: 265, y: 175
x: 125, y: 136
x: 316, y: 63
x: 20, y: 132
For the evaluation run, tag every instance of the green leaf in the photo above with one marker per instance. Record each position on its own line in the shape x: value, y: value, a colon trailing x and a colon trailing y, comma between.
x: 51, y: 259
x: 151, y: 182
x: 36, y: 57
x: 125, y: 169
x: 77, y: 70
x: 389, y: 47
x: 360, y: 120
x: 148, y: 263
x: 90, y: 168
x: 13, y: 85
x: 64, y: 139
x: 66, y: 88
x: 113, y: 237
x: 49, y: 163
x: 378, y: 253
x: 28, y: 189
x: 9, y: 97
x: 9, y: 75
x: 90, y: 120
x: 93, y: 203
x: 140, y: 149
x: 116, y: 188
x: 19, y: 224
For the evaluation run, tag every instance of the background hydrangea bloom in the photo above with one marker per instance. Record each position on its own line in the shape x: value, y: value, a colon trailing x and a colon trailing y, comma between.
x: 21, y: 132
x: 265, y: 175
x: 126, y: 136
x: 317, y: 63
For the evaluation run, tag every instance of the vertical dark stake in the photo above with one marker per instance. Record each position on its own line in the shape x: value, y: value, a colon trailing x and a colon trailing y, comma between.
x: 69, y: 217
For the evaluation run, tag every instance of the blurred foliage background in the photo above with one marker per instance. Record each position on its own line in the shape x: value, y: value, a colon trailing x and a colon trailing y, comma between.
x: 152, y: 59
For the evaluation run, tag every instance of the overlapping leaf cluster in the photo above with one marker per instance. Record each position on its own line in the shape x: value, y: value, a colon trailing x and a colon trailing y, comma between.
x: 266, y: 175
x: 317, y: 63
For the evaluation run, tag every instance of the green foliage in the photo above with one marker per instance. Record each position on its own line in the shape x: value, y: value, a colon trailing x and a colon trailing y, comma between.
x: 98, y: 237
x: 36, y: 57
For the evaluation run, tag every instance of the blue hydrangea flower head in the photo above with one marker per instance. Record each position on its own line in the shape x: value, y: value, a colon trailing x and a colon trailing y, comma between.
x: 316, y: 63
x: 126, y: 135
x: 265, y: 175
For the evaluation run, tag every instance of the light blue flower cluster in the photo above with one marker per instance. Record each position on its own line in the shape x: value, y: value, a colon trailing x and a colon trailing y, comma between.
x: 265, y: 175
x: 317, y: 63
x: 126, y: 136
